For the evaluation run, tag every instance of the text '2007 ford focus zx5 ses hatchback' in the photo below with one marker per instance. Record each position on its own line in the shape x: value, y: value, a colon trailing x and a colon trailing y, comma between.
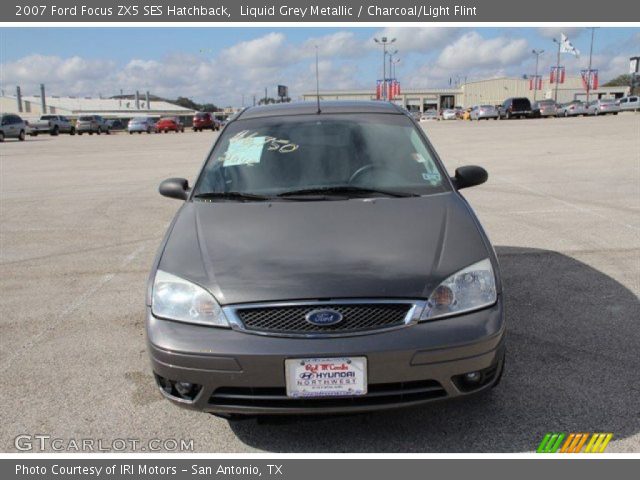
x: 323, y: 262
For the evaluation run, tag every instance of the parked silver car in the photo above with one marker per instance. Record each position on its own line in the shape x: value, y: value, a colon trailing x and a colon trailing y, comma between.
x: 92, y: 124
x: 545, y: 108
x: 629, y: 104
x: 12, y: 126
x: 483, y: 112
x: 141, y: 124
x: 603, y: 107
x: 572, y: 109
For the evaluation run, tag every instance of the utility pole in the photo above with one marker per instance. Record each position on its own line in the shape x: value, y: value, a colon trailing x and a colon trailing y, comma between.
x: 384, y: 41
x: 593, y: 30
x: 555, y: 97
x: 537, y: 53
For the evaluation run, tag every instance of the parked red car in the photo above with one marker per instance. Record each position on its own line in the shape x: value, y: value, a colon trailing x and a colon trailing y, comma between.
x: 204, y: 120
x: 169, y: 124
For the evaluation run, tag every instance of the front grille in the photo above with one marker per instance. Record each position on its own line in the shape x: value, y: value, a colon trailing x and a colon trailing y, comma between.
x: 378, y: 395
x: 355, y: 318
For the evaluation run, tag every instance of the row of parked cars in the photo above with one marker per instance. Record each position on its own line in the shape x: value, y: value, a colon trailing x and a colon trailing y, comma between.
x: 521, y: 107
x: 13, y: 126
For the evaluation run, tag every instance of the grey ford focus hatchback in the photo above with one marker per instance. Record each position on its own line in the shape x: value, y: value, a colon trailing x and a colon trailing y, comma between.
x: 323, y: 262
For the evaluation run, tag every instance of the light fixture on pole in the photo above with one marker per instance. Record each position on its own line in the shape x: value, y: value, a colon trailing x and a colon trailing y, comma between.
x: 384, y: 41
x: 537, y: 53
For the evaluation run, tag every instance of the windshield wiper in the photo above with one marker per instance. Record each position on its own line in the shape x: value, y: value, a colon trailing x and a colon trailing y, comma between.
x: 345, y: 190
x: 232, y: 196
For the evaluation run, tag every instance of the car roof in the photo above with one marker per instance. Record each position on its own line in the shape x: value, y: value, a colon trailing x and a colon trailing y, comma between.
x: 326, y: 107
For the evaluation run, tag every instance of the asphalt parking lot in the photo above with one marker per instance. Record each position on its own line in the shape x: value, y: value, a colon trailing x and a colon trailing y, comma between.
x: 81, y: 220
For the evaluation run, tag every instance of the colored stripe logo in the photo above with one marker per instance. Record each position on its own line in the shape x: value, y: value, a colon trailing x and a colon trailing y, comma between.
x: 574, y: 443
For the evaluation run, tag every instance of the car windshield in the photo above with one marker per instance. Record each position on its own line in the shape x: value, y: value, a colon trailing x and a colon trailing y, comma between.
x: 85, y: 119
x: 273, y: 155
x: 488, y: 107
x: 47, y: 117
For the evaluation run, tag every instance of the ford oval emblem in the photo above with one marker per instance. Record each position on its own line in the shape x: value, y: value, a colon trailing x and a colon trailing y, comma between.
x: 323, y: 317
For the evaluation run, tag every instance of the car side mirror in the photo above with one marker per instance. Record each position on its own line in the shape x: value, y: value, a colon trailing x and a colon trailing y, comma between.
x: 469, y: 176
x: 175, y: 188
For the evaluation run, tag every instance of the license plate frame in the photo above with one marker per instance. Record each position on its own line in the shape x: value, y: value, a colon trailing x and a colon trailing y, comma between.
x: 326, y: 377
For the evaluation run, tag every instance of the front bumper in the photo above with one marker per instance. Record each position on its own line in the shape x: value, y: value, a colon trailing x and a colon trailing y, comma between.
x: 243, y: 373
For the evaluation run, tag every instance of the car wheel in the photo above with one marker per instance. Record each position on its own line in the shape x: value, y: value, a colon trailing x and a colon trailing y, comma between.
x: 108, y: 132
x: 615, y: 113
x: 21, y: 136
x: 166, y: 131
x: 55, y: 131
x: 91, y: 133
x: 79, y: 133
x: 1, y: 136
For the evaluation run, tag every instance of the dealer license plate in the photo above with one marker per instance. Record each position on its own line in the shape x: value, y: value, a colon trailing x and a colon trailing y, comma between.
x: 326, y: 377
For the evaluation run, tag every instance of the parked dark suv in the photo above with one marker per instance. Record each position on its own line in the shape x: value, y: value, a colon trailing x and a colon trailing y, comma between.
x: 516, y: 107
x: 323, y: 262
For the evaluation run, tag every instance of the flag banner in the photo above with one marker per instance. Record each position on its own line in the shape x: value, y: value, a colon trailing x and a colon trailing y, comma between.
x: 535, y: 82
x: 567, y: 47
x: 589, y: 79
x: 557, y: 75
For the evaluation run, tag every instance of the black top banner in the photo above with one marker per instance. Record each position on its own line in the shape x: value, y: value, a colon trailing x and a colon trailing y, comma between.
x: 382, y: 11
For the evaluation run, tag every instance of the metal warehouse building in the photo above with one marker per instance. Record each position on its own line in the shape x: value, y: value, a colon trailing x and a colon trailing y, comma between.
x: 491, y: 91
x: 30, y: 107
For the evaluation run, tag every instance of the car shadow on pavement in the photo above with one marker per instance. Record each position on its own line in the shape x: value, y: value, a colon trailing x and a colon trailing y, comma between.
x: 572, y: 366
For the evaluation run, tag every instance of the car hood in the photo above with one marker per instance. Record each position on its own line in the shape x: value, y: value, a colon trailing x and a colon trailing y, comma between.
x: 357, y: 248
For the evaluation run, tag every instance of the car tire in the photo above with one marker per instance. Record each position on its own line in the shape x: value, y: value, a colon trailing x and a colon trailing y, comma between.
x: 108, y: 132
x: 79, y: 133
x: 615, y: 113
x: 55, y: 131
x: 21, y: 136
x: 166, y: 131
x: 91, y: 133
x: 1, y: 136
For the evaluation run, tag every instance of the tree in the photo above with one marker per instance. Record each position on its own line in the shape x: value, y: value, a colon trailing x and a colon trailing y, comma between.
x: 623, y: 80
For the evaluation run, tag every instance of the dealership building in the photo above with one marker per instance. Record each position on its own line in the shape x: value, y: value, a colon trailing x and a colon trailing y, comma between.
x: 491, y: 91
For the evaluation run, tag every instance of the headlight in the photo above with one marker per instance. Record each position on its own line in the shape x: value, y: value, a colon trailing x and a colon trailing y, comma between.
x: 177, y: 299
x: 469, y: 289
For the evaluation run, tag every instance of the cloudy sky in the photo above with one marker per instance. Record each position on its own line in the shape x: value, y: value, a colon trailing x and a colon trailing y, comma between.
x: 223, y: 64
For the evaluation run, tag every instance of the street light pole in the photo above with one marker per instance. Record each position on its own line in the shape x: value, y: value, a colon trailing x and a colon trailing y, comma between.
x: 384, y: 41
x: 555, y: 97
x: 593, y: 30
x: 537, y: 53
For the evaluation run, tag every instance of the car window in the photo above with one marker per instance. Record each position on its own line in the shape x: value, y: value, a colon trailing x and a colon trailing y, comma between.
x: 277, y: 154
